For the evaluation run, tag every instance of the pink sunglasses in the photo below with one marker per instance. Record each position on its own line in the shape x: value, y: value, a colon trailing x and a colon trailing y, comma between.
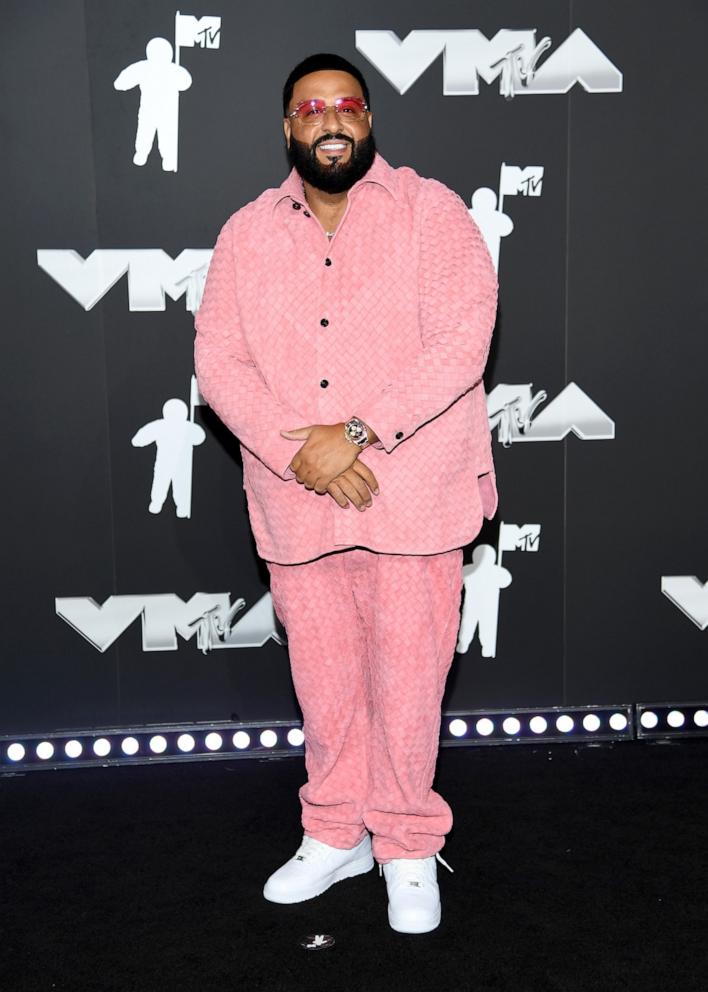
x: 351, y: 108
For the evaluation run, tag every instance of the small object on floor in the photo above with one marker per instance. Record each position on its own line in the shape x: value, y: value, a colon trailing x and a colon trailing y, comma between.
x: 317, y: 941
x: 314, y: 867
x: 413, y: 893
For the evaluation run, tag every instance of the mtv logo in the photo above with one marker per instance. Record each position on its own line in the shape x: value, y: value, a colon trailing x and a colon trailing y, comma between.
x: 518, y: 181
x: 515, y: 537
x: 205, y: 32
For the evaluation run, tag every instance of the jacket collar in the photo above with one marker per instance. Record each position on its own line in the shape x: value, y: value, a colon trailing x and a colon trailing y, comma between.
x: 380, y: 173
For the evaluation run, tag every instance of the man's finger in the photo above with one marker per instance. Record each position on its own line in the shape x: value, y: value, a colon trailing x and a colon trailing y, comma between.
x: 337, y: 494
x: 361, y: 487
x: 297, y: 433
x: 367, y: 475
x: 350, y: 490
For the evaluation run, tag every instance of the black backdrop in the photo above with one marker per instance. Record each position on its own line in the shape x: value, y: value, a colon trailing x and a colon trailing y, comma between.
x: 602, y: 284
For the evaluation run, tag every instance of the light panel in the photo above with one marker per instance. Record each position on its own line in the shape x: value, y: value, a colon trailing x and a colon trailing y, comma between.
x: 217, y: 741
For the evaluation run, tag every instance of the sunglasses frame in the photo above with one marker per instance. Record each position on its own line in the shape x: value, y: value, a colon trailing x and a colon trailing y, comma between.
x: 319, y: 116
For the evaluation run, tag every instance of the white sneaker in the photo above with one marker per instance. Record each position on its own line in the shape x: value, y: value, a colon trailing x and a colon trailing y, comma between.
x: 314, y: 867
x: 413, y: 893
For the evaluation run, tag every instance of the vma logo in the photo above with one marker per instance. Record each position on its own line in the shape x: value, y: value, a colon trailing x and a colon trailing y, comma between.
x: 208, y: 615
x: 510, y: 56
x: 151, y: 273
x: 511, y: 409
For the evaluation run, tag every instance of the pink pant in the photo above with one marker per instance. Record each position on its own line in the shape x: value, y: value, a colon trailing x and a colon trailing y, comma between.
x: 371, y: 638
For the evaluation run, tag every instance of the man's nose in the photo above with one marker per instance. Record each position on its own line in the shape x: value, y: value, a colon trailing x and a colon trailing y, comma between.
x: 330, y: 117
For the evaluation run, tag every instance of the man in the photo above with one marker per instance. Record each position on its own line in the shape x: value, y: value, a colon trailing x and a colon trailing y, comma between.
x: 344, y: 329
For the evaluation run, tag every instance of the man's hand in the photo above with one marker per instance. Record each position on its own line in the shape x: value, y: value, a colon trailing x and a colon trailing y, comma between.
x: 325, y: 455
x: 356, y: 484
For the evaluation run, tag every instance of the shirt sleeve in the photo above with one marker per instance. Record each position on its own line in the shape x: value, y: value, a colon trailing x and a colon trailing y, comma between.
x: 227, y: 376
x: 458, y: 290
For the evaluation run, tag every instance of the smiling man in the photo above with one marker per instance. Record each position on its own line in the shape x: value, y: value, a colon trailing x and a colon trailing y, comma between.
x: 343, y: 334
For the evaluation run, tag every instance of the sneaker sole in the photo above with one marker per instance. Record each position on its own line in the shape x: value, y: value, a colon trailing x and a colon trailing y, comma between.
x: 359, y: 867
x: 418, y: 928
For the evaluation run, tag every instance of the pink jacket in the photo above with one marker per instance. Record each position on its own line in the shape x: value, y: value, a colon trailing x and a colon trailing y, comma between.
x: 391, y: 322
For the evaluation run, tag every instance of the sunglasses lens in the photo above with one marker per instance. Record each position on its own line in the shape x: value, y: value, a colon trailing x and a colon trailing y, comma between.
x: 311, y: 110
x: 350, y: 107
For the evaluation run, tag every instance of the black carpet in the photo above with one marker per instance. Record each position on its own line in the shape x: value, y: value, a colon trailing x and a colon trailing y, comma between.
x: 576, y: 869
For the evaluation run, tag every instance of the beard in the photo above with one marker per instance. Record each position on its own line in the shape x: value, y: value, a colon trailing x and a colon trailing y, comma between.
x: 336, y: 177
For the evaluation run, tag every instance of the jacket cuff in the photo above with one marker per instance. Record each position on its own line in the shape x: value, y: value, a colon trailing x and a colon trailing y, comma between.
x: 389, y: 430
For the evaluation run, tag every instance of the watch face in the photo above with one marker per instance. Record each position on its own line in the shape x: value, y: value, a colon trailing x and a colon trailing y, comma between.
x: 356, y: 432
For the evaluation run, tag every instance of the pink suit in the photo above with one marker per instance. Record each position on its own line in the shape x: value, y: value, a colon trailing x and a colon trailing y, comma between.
x: 391, y: 322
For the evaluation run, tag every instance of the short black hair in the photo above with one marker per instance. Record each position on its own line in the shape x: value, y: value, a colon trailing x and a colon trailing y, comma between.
x: 316, y: 63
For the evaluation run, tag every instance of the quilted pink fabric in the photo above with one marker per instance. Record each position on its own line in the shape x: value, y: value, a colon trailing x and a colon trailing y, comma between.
x: 390, y: 321
x: 369, y: 666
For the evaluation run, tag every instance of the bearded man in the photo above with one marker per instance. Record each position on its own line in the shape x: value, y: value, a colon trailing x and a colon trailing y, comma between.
x: 342, y: 337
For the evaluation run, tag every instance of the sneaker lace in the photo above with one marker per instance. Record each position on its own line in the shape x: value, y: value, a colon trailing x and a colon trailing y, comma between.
x: 444, y: 862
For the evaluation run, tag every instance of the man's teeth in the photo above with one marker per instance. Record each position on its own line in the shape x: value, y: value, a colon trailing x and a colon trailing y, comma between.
x: 333, y: 147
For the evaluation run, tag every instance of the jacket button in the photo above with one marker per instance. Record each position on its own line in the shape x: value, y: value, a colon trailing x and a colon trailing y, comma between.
x: 399, y: 435
x: 306, y: 213
x: 323, y: 383
x: 296, y: 205
x: 328, y: 261
x: 324, y: 322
